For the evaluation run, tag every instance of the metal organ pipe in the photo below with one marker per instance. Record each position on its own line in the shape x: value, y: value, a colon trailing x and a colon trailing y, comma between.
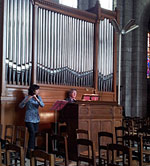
x: 46, y: 47
x: 17, y: 40
x: 63, y: 45
x: 58, y: 48
x: 15, y: 43
x: 105, y: 65
x: 43, y: 47
x: 30, y: 43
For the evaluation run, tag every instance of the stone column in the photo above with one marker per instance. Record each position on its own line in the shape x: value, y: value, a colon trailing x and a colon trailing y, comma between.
x: 126, y: 68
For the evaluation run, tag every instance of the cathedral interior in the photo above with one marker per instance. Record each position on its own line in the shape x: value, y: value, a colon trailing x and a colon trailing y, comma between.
x: 99, y: 48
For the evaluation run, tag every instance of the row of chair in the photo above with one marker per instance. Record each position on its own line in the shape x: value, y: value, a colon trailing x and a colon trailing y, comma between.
x: 135, y: 123
x: 14, y: 134
x: 89, y: 155
x: 136, y: 146
x: 17, y: 141
x: 47, y: 159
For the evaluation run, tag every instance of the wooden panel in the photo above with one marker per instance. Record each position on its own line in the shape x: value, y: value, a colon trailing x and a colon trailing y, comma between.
x: 106, y: 125
x: 92, y: 116
x: 85, y: 124
x: 84, y: 109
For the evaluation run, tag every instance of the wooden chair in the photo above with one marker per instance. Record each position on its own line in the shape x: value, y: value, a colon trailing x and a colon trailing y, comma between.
x: 135, y: 142
x: 119, y: 133
x: 146, y: 150
x: 9, y: 133
x: 104, y: 138
x: 59, y: 147
x: 128, y: 123
x: 144, y: 131
x: 137, y: 124
x: 47, y: 158
x: 81, y: 133
x: 21, y: 137
x: 90, y: 159
x: 1, y: 164
x: 9, y: 136
x: 41, y: 141
x: 18, y: 150
x: 62, y: 128
x: 126, y: 153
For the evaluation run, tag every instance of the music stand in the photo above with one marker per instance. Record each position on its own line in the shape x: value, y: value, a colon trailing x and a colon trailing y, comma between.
x: 58, y: 105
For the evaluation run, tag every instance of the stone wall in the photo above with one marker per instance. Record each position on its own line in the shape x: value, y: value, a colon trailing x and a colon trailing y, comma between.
x: 134, y: 60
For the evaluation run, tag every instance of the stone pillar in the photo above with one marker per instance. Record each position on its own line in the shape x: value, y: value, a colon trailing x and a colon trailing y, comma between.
x: 134, y: 46
x: 126, y: 68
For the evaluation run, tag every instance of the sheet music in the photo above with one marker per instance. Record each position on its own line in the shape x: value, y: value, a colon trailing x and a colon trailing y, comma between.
x: 58, y: 105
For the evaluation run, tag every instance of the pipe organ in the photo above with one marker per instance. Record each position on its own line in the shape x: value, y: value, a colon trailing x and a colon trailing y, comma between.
x: 58, y: 48
x: 65, y: 50
x: 64, y: 42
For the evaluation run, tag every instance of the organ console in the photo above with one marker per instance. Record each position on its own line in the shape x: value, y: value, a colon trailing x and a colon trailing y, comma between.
x: 93, y: 116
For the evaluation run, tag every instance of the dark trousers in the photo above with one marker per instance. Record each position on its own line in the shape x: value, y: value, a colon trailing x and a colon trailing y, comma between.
x: 32, y: 129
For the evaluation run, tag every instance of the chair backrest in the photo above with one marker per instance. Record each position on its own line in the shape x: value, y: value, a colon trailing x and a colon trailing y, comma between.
x: 124, y: 151
x: 146, y: 149
x: 81, y: 133
x: 48, y: 158
x: 59, y: 146
x: 21, y: 136
x: 144, y: 131
x: 62, y: 128
x: 129, y: 123
x: 9, y: 133
x: 16, y: 149
x: 90, y: 159
x: 104, y: 138
x: 41, y: 141
x: 135, y: 142
x: 120, y: 131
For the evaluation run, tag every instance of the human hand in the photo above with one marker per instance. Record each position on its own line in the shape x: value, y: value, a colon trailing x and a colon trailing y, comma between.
x: 35, y: 97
